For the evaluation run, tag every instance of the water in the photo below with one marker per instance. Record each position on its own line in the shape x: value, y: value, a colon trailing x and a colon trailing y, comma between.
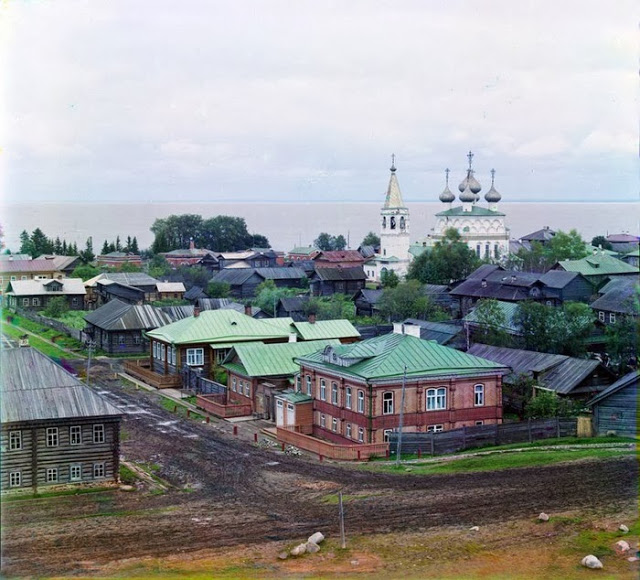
x: 292, y: 224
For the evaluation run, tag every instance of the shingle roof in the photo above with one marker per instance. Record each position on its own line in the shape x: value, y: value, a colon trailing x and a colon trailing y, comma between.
x: 338, y: 274
x: 555, y: 371
x: 127, y: 278
x: 265, y: 360
x: 598, y: 265
x: 215, y: 326
x: 70, y: 286
x: 385, y: 357
x: 324, y: 329
x: 340, y: 256
x: 620, y: 298
x: 116, y: 315
x: 35, y: 388
x: 290, y: 273
x: 543, y: 235
x: 294, y: 303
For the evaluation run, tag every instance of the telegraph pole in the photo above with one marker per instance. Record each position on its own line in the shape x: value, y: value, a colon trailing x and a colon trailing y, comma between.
x: 343, y: 540
x: 90, y: 346
x: 399, y: 446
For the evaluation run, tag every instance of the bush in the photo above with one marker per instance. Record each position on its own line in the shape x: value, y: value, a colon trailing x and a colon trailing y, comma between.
x: 56, y: 307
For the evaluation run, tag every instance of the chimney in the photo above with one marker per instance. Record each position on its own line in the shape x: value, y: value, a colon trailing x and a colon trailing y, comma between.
x: 192, y: 245
x: 247, y: 310
x: 312, y: 318
x: 196, y: 311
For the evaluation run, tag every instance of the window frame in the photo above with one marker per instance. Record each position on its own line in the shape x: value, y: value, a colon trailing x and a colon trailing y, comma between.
x: 348, y: 431
x: 194, y: 355
x: 52, y: 437
x: 15, y: 478
x: 15, y: 440
x: 334, y: 425
x: 73, y: 467
x: 75, y: 435
x: 97, y: 467
x: 612, y: 317
x: 52, y: 475
x: 309, y: 385
x: 361, y: 434
x: 387, y: 403
x: 323, y: 390
x: 334, y: 393
x: 437, y: 428
x: 323, y: 420
x: 436, y: 399
x: 478, y: 395
x: 360, y: 401
x: 601, y: 316
x: 348, y: 398
x: 386, y: 435
x: 99, y: 435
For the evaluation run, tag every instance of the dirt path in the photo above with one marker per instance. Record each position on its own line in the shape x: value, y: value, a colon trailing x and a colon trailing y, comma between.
x: 228, y: 493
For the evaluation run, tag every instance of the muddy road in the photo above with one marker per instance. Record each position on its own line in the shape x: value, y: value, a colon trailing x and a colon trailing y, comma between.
x: 223, y: 492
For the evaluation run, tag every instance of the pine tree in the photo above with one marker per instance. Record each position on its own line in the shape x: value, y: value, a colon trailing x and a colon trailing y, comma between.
x: 65, y: 249
x: 26, y: 245
x: 57, y: 246
x: 105, y: 248
x: 127, y: 248
x: 87, y: 255
x: 134, y: 246
x: 118, y: 245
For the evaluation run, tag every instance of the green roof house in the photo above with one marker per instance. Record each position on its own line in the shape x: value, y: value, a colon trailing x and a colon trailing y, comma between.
x: 598, y: 267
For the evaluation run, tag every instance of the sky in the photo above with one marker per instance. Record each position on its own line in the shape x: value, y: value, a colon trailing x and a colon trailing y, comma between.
x: 306, y: 100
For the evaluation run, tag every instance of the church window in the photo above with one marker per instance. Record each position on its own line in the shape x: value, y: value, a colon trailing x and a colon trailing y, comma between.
x: 392, y: 222
x: 486, y: 250
x: 479, y: 250
x: 384, y: 221
x: 384, y: 252
x: 403, y: 225
x: 496, y: 251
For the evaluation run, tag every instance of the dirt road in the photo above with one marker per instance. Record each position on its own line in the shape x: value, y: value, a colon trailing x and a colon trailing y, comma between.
x: 228, y: 493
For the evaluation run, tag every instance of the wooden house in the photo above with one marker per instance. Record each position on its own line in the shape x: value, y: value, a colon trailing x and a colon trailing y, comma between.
x: 170, y: 291
x: 256, y: 372
x: 357, y: 388
x: 119, y: 328
x: 64, y: 264
x: 36, y: 294
x: 131, y: 287
x: 118, y: 259
x: 14, y: 270
x: 328, y: 281
x: 366, y: 301
x: 623, y: 243
x: 55, y: 430
x: 615, y: 410
x: 302, y: 253
x: 293, y: 306
x: 597, y: 268
x: 617, y: 299
x: 245, y: 281
x: 192, y: 256
x: 263, y: 258
x: 339, y: 259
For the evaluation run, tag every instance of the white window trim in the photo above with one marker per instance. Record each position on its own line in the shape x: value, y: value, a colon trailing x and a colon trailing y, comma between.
x: 612, y: 317
x: 601, y: 316
x: 387, y: 402
x: 438, y: 398
x: 99, y: 466
x: 478, y: 395
x: 334, y: 393
x: 99, y: 435
x: 348, y: 398
x: 323, y: 390
x: 73, y: 466
x: 361, y: 434
x: 309, y: 388
x: 15, y: 478
x: 360, y: 401
x: 15, y: 440
x: 195, y: 356
x: 348, y: 431
x: 323, y: 420
x: 439, y: 428
x: 52, y: 474
x: 334, y: 425
x: 52, y: 436
x: 71, y: 435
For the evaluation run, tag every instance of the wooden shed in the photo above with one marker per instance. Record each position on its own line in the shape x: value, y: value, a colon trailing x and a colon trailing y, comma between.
x: 616, y: 408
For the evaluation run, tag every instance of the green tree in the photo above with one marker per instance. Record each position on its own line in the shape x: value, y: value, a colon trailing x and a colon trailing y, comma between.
x: 57, y: 246
x: 407, y: 300
x: 26, y: 245
x: 56, y: 307
x: 85, y: 271
x: 547, y: 404
x: 218, y: 289
x: 575, y: 324
x: 449, y: 259
x: 534, y: 321
x: 621, y: 342
x: 371, y: 239
x: 517, y: 392
x: 327, y: 243
x: 159, y: 267
x: 87, y: 255
x: 389, y: 279
x: 267, y: 296
x: 492, y: 322
x: 129, y: 267
x: 175, y: 231
x: 565, y: 246
x: 105, y: 248
x: 335, y: 307
x: 601, y: 242
x: 134, y: 246
x: 195, y: 275
x: 118, y: 244
x: 259, y: 241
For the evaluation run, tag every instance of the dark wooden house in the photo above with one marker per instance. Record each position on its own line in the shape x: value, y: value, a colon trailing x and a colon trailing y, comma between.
x: 293, y: 307
x: 328, y: 281
x: 366, y: 300
x: 339, y: 259
x: 55, y: 430
x: 36, y: 294
x: 615, y: 410
x: 245, y: 281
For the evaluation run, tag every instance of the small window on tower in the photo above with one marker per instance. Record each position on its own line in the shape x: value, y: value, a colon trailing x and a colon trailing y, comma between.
x: 384, y: 222
x: 403, y: 224
x: 392, y: 221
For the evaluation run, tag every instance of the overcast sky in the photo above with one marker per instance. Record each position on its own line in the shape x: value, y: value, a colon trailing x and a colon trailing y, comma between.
x: 305, y: 100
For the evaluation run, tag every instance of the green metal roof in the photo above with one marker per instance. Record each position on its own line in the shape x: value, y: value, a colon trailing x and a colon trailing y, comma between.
x: 293, y: 397
x: 598, y: 265
x: 222, y: 326
x: 509, y: 309
x: 265, y: 360
x: 475, y: 212
x: 385, y: 357
x: 416, y: 249
x: 323, y: 329
x: 304, y: 250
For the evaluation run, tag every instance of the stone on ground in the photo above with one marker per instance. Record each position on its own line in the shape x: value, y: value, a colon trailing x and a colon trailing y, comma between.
x: 316, y: 538
x: 624, y: 529
x: 474, y: 529
x: 543, y: 517
x: 622, y: 546
x: 592, y: 562
x: 125, y: 487
x: 312, y: 548
x: 299, y: 550
x: 283, y: 556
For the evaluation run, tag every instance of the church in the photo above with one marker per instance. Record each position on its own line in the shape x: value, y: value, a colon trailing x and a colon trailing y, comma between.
x: 482, y: 228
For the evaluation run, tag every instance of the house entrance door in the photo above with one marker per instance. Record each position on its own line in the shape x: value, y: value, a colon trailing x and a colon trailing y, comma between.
x: 279, y: 414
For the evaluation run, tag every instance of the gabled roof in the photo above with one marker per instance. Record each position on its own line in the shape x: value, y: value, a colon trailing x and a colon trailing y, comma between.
x: 325, y: 329
x: 543, y: 235
x: 35, y: 388
x: 270, y: 360
x: 367, y: 251
x: 620, y: 298
x: 170, y: 287
x: 233, y: 277
x: 621, y: 383
x: 116, y: 315
x: 340, y: 256
x: 222, y: 326
x: 340, y: 274
x: 598, y: 265
x: 9, y: 266
x: 189, y: 253
x: 509, y: 311
x: 304, y: 250
x: 554, y: 371
x: 622, y: 238
x: 294, y: 303
x: 289, y: 273
x: 194, y: 293
x: 127, y: 278
x: 70, y: 286
x: 60, y: 262
x: 385, y: 358
x: 618, y: 282
x: 441, y: 332
x: 369, y: 295
x: 558, y: 278
x: 476, y: 211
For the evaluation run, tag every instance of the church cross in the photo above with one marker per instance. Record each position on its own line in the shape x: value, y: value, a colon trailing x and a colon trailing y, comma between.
x: 470, y: 158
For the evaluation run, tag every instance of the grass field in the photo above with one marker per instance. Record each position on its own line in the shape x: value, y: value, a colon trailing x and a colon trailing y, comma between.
x: 37, y: 343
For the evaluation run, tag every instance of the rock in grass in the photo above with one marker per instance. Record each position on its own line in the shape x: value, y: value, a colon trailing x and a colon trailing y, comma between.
x: 126, y: 487
x: 312, y: 548
x: 624, y: 529
x: 316, y: 538
x: 543, y: 517
x: 299, y: 550
x: 474, y: 529
x: 283, y: 556
x: 622, y: 546
x: 592, y: 562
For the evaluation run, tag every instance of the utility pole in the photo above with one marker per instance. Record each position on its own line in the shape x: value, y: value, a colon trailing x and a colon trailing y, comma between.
x: 90, y: 346
x: 343, y: 540
x: 399, y: 446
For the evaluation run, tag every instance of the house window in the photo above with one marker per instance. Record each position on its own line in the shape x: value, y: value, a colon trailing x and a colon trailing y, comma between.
x: 479, y: 250
x: 478, y: 395
x: 486, y: 250
x: 52, y: 474
x: 15, y: 479
x: 75, y: 435
x: 436, y: 399
x: 98, y: 470
x: 601, y: 316
x: 361, y: 435
x: 98, y: 433
x: 290, y: 408
x: 348, y: 397
x: 13, y: 278
x: 74, y: 301
x: 386, y: 434
x: 387, y: 403
x: 323, y: 420
x: 435, y: 428
x: 334, y: 425
x: 75, y: 472
x: 247, y: 389
x: 360, y: 401
x: 323, y: 390
x: 298, y: 384
x: 155, y: 350
x: 221, y: 354
x: 233, y: 384
x: 163, y: 350
x: 479, y: 423
x: 334, y: 393
x: 122, y: 339
x: 195, y: 356
x: 15, y: 440
x: 52, y: 437
x: 136, y: 339
x: 35, y: 301
x: 25, y: 302
x: 496, y: 251
x: 308, y: 379
x: 612, y: 317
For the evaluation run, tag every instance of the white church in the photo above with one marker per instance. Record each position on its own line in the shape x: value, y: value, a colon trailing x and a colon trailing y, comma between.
x: 482, y: 228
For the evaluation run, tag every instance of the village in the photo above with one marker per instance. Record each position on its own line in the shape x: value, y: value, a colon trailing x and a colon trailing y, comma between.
x: 211, y: 371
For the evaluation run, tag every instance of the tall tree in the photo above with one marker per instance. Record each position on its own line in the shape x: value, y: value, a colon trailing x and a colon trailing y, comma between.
x: 105, y: 248
x: 566, y: 246
x: 26, y: 245
x: 134, y: 246
x: 87, y: 255
x: 326, y: 242
x: 492, y: 322
x: 41, y: 244
x: 118, y: 244
x: 371, y: 239
x: 601, y: 242
x: 389, y: 279
x: 57, y: 246
x: 449, y: 259
x: 407, y: 300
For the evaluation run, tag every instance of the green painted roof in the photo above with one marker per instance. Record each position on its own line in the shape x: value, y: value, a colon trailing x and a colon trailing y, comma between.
x: 222, y: 326
x: 304, y: 250
x: 475, y: 212
x: 293, y: 397
x: 591, y: 249
x: 416, y: 249
x: 509, y: 309
x: 384, y: 357
x: 598, y: 265
x: 267, y: 360
x: 323, y: 329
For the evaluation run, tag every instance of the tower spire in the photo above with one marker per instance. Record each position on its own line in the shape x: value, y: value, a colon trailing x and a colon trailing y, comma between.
x: 393, y: 162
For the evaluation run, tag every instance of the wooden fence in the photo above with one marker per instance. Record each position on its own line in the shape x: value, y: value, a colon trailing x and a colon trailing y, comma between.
x: 483, y: 436
x: 325, y: 449
x: 217, y: 405
x: 55, y: 324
